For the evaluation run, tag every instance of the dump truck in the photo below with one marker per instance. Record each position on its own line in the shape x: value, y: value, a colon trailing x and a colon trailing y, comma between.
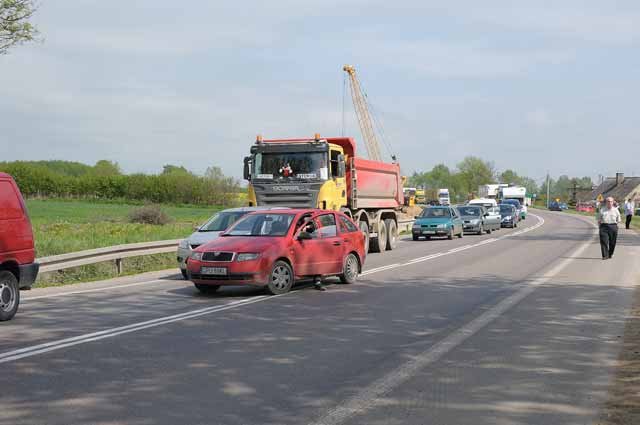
x: 327, y: 173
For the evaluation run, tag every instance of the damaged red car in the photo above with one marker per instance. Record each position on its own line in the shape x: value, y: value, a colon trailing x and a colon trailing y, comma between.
x: 274, y: 249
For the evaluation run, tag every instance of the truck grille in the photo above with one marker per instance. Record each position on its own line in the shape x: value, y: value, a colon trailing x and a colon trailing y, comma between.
x: 217, y: 256
x: 303, y: 195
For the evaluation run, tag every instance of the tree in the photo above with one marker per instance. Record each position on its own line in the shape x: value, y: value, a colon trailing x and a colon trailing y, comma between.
x: 475, y: 172
x: 15, y: 27
x: 510, y: 177
x: 106, y: 168
x: 175, y: 169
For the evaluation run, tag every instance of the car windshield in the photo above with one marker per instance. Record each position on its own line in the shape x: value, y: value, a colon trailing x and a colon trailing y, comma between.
x: 291, y: 165
x: 221, y: 221
x: 262, y: 225
x: 436, y: 212
x: 474, y: 211
x: 513, y: 202
x: 506, y: 209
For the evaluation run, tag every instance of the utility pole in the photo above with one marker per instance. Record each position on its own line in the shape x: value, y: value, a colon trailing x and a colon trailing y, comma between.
x: 547, y: 190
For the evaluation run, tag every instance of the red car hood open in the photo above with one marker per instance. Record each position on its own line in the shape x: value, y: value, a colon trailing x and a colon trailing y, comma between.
x: 242, y: 244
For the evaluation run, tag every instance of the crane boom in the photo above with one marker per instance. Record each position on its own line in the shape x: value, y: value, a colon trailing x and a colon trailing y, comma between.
x: 362, y: 112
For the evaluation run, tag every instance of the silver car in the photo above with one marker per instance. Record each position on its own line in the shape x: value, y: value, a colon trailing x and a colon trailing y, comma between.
x: 476, y: 219
x: 209, y: 231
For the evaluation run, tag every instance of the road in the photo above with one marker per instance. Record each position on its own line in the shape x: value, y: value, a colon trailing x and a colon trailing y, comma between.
x: 521, y: 326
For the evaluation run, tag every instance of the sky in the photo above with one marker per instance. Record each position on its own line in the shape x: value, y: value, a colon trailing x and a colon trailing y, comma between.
x: 537, y: 87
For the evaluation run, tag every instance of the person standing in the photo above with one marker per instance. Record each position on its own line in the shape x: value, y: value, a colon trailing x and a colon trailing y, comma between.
x: 608, y: 218
x: 628, y: 212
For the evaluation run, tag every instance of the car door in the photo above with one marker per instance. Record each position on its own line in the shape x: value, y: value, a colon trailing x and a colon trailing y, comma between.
x: 456, y: 221
x: 322, y: 254
x: 493, y: 219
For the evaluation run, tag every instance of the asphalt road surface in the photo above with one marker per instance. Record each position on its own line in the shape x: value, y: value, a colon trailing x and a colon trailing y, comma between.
x: 521, y: 326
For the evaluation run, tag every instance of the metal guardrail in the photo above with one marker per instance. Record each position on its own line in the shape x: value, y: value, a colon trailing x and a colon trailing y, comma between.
x: 118, y: 252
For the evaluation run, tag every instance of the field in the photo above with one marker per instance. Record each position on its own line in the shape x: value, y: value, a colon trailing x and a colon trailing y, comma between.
x: 68, y: 226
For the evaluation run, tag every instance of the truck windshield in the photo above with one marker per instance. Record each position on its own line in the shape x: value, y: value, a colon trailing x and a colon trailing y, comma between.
x: 294, y: 165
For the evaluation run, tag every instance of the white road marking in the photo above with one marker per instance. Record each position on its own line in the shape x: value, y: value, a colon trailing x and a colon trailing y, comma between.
x: 109, y: 333
x: 367, y: 398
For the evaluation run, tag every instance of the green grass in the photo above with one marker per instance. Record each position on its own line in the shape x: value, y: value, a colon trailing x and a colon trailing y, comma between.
x: 63, y: 226
x: 69, y: 226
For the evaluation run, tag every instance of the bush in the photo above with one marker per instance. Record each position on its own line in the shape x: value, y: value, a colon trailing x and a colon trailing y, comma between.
x: 149, y: 214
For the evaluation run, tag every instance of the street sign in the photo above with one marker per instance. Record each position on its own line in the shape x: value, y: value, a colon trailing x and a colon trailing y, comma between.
x: 600, y: 198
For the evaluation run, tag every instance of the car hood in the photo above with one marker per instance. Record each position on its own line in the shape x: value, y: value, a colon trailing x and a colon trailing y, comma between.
x: 242, y: 244
x: 432, y: 220
x: 201, y: 238
x: 470, y: 217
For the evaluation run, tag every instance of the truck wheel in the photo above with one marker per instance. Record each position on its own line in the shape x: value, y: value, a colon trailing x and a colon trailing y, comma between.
x: 350, y: 269
x: 392, y: 233
x: 206, y: 289
x: 379, y: 243
x: 364, y: 228
x: 9, y: 295
x: 280, y: 279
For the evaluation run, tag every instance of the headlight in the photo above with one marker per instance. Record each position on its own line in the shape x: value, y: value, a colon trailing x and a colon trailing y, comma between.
x: 442, y: 226
x: 184, y: 244
x: 475, y: 221
x: 247, y: 256
x: 196, y: 256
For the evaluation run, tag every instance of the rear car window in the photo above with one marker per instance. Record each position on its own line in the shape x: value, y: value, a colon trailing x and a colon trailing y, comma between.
x: 10, y: 206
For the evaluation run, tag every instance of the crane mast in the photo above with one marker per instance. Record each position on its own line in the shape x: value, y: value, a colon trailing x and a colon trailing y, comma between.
x: 362, y: 112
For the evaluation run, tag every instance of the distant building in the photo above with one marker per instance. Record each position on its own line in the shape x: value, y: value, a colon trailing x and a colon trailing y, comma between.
x: 618, y: 187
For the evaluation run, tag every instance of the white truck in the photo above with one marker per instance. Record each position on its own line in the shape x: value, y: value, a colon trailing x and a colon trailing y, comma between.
x: 443, y: 197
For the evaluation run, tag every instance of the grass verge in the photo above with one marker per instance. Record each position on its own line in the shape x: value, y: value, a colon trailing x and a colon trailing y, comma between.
x: 62, y: 226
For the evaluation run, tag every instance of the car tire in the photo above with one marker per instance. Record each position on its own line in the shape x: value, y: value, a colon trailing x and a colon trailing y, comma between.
x: 364, y: 228
x: 378, y: 244
x: 489, y: 231
x: 9, y: 295
x: 460, y: 234
x: 392, y: 234
x: 206, y: 289
x: 450, y: 235
x: 184, y: 274
x: 481, y: 231
x: 280, y: 279
x: 350, y: 269
x: 416, y: 237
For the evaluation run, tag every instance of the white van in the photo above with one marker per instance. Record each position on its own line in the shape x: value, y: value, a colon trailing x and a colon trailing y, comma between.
x: 485, y: 202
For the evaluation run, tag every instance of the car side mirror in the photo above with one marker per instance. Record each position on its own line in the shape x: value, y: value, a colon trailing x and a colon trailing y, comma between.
x: 342, y: 168
x: 302, y: 236
x: 416, y: 217
x: 486, y: 214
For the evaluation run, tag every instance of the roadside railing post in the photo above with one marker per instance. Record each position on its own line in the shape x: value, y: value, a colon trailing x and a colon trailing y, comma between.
x: 119, y: 266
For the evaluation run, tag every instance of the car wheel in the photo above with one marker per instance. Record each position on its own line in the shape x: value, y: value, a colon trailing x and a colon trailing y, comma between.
x: 364, y: 228
x: 392, y: 234
x: 489, y: 231
x: 450, y: 235
x: 184, y: 274
x: 460, y: 234
x: 515, y: 224
x: 481, y: 231
x: 206, y: 289
x: 9, y: 295
x: 350, y: 269
x: 416, y: 237
x: 379, y: 243
x: 280, y: 278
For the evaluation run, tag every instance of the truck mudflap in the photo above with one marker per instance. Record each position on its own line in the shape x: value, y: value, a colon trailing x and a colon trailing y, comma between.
x: 28, y: 274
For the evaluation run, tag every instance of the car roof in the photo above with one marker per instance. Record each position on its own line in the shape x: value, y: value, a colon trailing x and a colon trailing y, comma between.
x: 285, y: 210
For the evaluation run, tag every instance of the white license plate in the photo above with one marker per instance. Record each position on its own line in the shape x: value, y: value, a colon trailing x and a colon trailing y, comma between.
x: 428, y: 232
x: 218, y: 271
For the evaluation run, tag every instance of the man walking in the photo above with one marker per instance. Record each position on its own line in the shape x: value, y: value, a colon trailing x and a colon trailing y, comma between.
x: 628, y: 212
x: 608, y: 218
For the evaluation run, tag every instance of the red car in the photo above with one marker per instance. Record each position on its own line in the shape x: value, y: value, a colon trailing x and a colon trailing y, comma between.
x: 18, y: 268
x: 275, y: 248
